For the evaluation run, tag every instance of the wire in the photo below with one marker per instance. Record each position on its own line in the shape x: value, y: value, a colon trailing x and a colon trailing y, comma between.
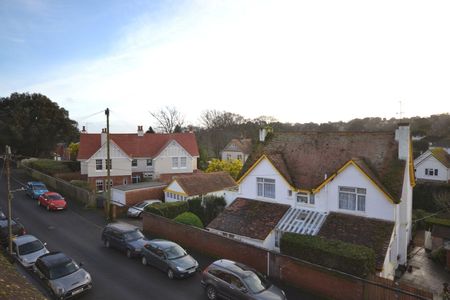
x: 91, y: 115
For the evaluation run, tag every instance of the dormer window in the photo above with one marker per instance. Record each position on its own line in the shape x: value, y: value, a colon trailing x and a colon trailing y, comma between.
x: 352, y: 198
x: 265, y: 187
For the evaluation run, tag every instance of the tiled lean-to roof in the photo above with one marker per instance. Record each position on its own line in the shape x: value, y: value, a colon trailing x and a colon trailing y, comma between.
x: 204, y: 183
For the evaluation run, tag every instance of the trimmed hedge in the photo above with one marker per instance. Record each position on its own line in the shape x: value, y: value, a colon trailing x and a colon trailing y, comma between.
x: 49, y: 166
x: 349, y: 258
x: 189, y: 218
x: 168, y: 209
x: 208, y: 208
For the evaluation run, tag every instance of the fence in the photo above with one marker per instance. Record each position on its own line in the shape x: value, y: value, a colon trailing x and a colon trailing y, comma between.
x: 309, y: 277
x: 68, y: 190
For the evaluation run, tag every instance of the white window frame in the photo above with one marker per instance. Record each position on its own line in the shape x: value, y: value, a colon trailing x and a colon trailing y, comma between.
x: 99, y: 183
x: 264, y: 186
x: 305, y: 198
x: 354, y: 198
x: 134, y: 163
x: 149, y: 162
x: 175, y: 164
x: 135, y: 178
x: 99, y: 163
x: 183, y: 162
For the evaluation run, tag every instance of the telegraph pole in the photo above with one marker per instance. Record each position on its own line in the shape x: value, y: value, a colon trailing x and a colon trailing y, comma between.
x: 108, y: 169
x: 8, y: 189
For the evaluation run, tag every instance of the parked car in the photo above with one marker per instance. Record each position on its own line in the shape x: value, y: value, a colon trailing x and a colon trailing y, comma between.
x: 63, y: 276
x: 52, y: 201
x: 35, y: 189
x: 124, y: 237
x: 17, y: 230
x: 27, y: 249
x: 136, y: 210
x: 169, y: 257
x: 232, y: 280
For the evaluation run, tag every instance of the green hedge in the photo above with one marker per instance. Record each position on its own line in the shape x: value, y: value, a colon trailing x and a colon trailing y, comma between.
x: 349, y: 258
x: 49, y: 166
x: 168, y: 209
x: 189, y: 218
x: 424, y: 195
x: 438, y: 220
x: 208, y: 208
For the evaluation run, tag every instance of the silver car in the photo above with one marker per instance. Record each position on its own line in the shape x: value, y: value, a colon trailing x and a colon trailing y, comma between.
x: 136, y: 210
x: 62, y: 275
x: 27, y: 249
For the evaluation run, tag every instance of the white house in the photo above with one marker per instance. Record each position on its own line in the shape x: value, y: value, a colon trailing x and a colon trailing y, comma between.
x: 135, y: 157
x: 433, y: 165
x: 185, y: 187
x: 238, y: 149
x: 332, y: 179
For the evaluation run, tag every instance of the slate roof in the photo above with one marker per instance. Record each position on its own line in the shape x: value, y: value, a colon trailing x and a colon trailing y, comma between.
x: 441, y: 155
x: 148, y: 145
x: 372, y: 233
x: 203, y: 183
x: 250, y: 218
x: 244, y: 145
x: 304, y: 159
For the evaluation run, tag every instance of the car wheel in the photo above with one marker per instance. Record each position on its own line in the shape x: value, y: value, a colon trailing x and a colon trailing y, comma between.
x: 144, y: 260
x: 139, y: 215
x: 107, y: 245
x: 170, y: 273
x: 211, y: 292
x: 129, y: 253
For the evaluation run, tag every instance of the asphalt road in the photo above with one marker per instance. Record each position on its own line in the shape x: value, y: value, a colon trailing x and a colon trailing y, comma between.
x: 77, y: 232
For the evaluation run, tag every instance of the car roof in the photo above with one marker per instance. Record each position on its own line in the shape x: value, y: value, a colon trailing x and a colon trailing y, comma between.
x: 163, y: 244
x: 54, y: 258
x: 152, y: 201
x: 51, y: 193
x: 122, y: 226
x: 23, y: 239
x: 35, y: 183
x: 232, y: 266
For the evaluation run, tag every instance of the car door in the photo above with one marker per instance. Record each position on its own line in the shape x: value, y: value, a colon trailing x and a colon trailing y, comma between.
x: 44, y: 200
x: 155, y: 256
x: 222, y: 281
x: 118, y: 240
x: 238, y: 291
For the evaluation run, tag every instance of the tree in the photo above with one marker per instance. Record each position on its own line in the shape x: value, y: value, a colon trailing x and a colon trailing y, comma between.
x: 32, y: 124
x: 220, y: 119
x: 177, y: 129
x: 232, y: 167
x: 73, y: 150
x: 168, y: 118
x: 150, y: 130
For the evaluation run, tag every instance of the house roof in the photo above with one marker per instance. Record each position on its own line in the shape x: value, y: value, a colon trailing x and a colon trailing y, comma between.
x: 441, y: 155
x: 372, y: 233
x: 148, y: 145
x: 302, y: 221
x: 204, y: 183
x: 305, y: 159
x: 250, y: 218
x: 244, y: 145
x: 441, y: 231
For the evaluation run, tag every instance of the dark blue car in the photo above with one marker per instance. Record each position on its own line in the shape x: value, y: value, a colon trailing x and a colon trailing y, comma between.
x: 124, y: 237
x: 35, y: 189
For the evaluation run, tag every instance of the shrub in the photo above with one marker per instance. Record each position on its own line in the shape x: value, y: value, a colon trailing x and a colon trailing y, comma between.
x: 349, y: 258
x: 213, y: 207
x: 81, y: 183
x: 195, y: 207
x: 189, y: 218
x: 168, y: 209
x: 419, y: 221
x: 48, y: 166
x: 439, y: 256
x: 424, y: 195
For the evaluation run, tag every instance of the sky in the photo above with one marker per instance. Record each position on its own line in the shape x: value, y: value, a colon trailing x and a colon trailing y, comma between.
x: 298, y: 61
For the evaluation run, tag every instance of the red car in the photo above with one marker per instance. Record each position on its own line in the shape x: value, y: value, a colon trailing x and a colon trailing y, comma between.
x: 52, y: 201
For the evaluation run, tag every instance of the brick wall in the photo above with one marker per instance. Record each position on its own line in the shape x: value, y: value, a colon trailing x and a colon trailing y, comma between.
x: 133, y: 197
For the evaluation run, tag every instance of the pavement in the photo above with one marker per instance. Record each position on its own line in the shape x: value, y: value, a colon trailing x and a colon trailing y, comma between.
x: 426, y: 274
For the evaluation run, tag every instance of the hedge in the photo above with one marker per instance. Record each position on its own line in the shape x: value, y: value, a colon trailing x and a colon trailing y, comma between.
x: 168, y: 210
x: 51, y: 167
x: 349, y: 258
x: 424, y: 195
x: 208, y: 208
x: 438, y: 220
x: 189, y: 218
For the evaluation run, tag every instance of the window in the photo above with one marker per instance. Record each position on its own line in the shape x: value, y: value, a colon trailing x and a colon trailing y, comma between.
x: 239, y: 157
x: 435, y: 172
x: 228, y: 156
x: 302, y: 197
x: 312, y: 199
x: 266, y: 187
x: 106, y: 164
x: 432, y: 172
x: 149, y: 162
x: 174, y: 162
x: 352, y: 198
x: 99, y: 164
x: 136, y: 178
x: 134, y: 163
x: 99, y: 185
x: 183, y: 162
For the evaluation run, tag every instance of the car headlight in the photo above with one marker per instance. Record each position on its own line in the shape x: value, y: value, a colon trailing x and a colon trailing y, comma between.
x: 87, y: 277
x: 181, y: 269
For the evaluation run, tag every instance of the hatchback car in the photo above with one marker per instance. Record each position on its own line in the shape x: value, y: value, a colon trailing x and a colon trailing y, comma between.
x: 136, y: 210
x: 232, y: 280
x: 27, y: 249
x: 169, y: 257
x: 17, y: 230
x: 52, y: 201
x: 35, y: 189
x: 124, y: 237
x: 62, y: 275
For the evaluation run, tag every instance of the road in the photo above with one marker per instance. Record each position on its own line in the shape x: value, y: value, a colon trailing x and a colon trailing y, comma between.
x: 77, y: 231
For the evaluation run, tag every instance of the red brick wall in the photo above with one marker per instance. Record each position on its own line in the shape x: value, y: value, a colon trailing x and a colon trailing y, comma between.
x: 133, y: 197
x: 117, y: 180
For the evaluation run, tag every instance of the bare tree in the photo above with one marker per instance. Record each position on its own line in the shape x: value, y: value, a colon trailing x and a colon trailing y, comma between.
x: 214, y: 119
x: 168, y: 118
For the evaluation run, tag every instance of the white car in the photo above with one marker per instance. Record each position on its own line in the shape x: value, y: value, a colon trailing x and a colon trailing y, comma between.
x: 136, y: 210
x: 27, y: 249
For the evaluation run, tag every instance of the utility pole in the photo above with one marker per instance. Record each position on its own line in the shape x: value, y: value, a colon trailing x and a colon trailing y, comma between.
x: 108, y: 169
x: 8, y: 189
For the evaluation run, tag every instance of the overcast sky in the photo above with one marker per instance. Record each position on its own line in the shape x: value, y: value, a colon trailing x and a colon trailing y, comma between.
x: 298, y: 61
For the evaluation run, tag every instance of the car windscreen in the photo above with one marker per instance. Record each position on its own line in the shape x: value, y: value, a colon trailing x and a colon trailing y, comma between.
x: 256, y: 282
x: 141, y: 205
x: 133, y: 235
x: 63, y: 269
x: 30, y: 247
x: 174, y: 252
x: 39, y: 187
x: 54, y: 197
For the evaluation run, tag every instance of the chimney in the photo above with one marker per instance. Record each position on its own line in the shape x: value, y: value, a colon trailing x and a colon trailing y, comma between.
x: 262, y: 134
x: 140, y: 131
x: 103, y: 136
x: 402, y: 136
x: 84, y: 129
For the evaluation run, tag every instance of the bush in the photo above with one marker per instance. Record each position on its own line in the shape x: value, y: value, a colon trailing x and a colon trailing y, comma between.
x: 439, y: 256
x: 349, y: 258
x: 189, y: 218
x: 168, y: 209
x: 424, y: 195
x: 207, y: 208
x: 418, y: 220
x: 48, y: 166
x: 81, y: 183
x: 195, y: 207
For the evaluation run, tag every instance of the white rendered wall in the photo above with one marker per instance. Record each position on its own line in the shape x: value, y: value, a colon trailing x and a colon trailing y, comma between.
x: 163, y: 162
x: 121, y: 163
x: 431, y: 162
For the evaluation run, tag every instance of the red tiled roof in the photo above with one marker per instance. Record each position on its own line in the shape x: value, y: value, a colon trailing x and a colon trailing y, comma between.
x: 148, y: 145
x: 204, y: 183
x: 250, y: 218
